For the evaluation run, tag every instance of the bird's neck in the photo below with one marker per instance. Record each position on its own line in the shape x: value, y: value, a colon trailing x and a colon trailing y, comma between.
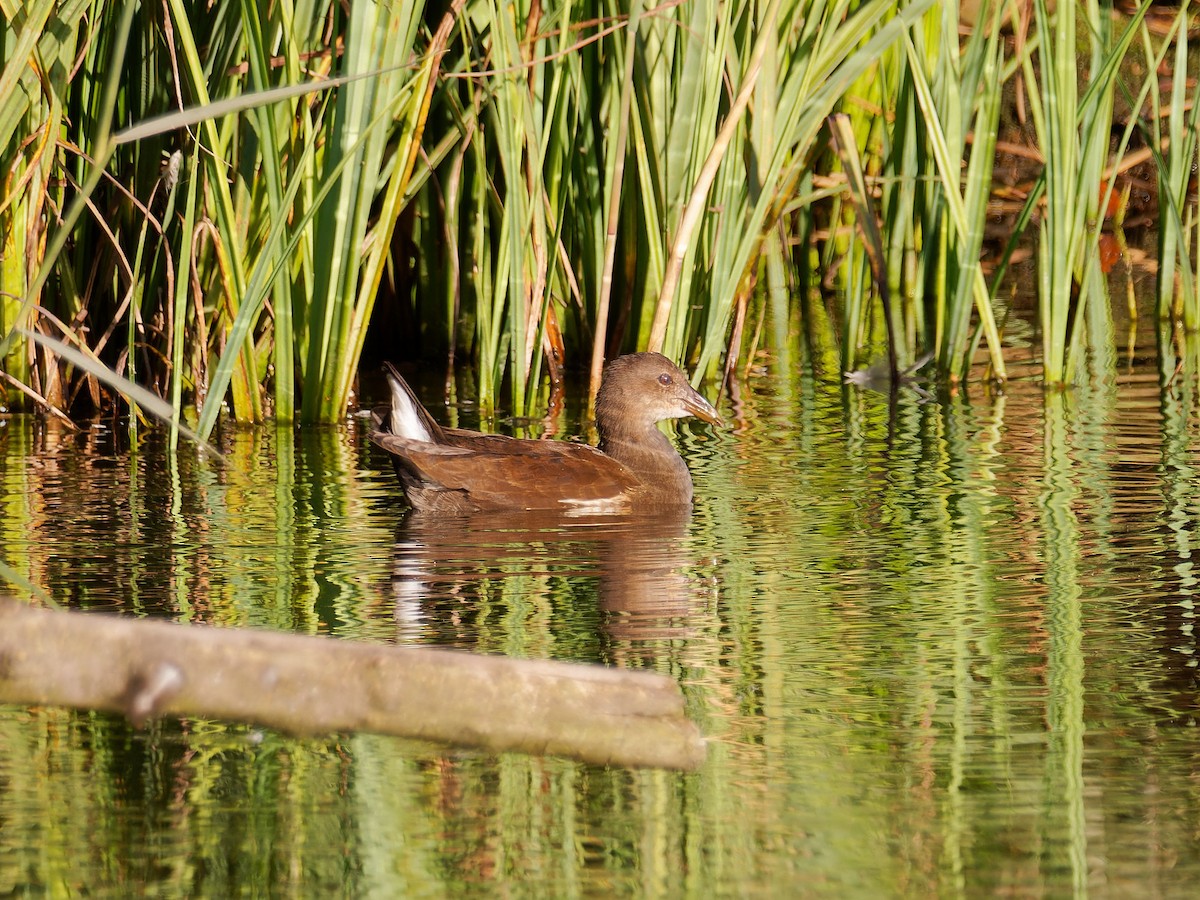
x: 651, y: 456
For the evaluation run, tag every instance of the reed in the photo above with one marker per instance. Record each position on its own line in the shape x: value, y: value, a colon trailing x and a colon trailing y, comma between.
x: 651, y: 237
x: 1074, y: 133
x: 30, y: 123
x: 933, y: 102
x: 1175, y: 127
x: 973, y: 97
x: 934, y: 209
x: 808, y: 64
x: 248, y: 260
x: 538, y: 184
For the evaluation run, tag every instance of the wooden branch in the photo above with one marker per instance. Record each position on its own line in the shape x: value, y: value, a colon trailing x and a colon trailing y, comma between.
x: 315, y: 685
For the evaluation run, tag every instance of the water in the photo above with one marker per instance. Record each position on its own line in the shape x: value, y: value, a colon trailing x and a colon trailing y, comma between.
x: 955, y: 656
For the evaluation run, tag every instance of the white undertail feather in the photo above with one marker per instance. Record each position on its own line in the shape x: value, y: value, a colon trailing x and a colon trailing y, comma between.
x: 407, y: 419
x: 601, y: 506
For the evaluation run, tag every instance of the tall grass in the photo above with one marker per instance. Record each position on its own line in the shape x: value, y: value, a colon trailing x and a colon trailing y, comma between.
x: 247, y: 247
x: 618, y: 173
x: 531, y: 185
x: 1074, y: 131
x: 831, y: 48
x: 1075, y: 138
x: 943, y: 96
x: 941, y: 104
x: 955, y: 109
x: 1178, y: 282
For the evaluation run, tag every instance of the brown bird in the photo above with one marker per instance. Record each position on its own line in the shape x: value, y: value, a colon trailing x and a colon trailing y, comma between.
x: 635, y: 467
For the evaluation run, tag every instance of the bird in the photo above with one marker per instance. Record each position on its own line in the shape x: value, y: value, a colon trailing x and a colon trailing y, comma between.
x: 634, y: 468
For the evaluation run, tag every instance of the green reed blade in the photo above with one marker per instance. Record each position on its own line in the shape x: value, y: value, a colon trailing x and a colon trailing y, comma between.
x: 843, y: 141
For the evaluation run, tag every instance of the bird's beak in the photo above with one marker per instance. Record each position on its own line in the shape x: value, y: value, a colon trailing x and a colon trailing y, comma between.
x: 695, y: 404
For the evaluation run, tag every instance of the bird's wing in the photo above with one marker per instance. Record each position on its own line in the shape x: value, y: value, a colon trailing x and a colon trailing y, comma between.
x: 499, y: 472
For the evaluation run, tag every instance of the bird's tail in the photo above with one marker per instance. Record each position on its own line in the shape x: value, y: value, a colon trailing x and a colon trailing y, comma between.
x: 409, y: 419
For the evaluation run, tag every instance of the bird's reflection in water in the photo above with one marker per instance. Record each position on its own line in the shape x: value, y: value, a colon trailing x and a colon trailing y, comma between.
x: 624, y: 577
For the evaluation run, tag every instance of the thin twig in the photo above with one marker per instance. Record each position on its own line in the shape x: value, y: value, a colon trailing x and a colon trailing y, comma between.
x: 38, y: 399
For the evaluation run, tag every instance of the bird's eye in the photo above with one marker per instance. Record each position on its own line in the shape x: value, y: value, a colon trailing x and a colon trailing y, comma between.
x: 664, y: 378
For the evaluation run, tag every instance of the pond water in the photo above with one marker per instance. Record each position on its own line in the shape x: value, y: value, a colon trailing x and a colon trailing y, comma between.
x: 953, y: 655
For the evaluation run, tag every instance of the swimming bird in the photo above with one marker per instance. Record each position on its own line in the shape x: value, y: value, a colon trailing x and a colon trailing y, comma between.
x: 634, y: 468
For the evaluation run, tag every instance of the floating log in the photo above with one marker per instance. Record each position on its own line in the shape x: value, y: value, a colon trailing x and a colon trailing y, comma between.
x: 316, y: 685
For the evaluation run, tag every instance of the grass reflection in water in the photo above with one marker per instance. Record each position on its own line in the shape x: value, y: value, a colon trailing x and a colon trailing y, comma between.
x: 955, y: 658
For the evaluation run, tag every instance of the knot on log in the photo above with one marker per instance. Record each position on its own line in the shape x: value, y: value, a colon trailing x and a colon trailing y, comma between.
x: 150, y: 690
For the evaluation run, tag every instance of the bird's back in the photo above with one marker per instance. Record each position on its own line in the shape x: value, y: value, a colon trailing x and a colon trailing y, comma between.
x: 470, y: 472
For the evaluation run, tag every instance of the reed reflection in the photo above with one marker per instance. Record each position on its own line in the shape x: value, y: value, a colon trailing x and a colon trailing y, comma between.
x: 622, y: 578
